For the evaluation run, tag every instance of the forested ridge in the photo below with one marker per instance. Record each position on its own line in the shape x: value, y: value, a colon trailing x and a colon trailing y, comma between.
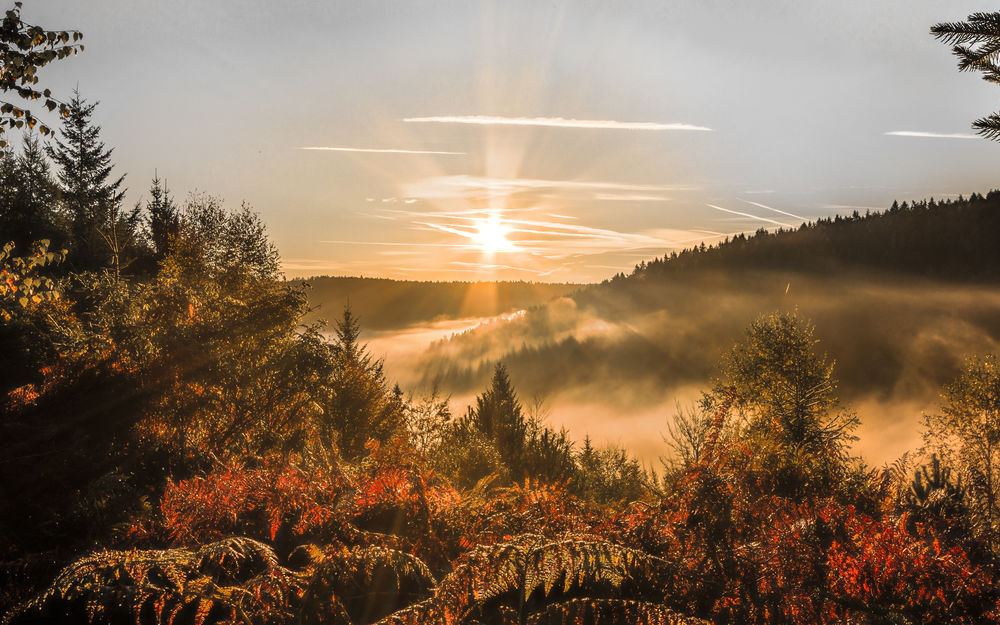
x: 386, y: 303
x: 178, y: 444
x: 952, y: 239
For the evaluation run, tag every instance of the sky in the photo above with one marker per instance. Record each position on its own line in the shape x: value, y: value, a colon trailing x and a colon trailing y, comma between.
x: 558, y: 141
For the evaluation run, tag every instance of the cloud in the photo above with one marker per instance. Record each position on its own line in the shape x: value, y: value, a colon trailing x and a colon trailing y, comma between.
x: 931, y: 135
x: 553, y: 240
x: 481, y: 266
x: 552, y: 122
x: 758, y: 218
x: 398, y: 244
x: 630, y: 197
x: 307, y: 265
x: 378, y: 150
x: 465, y: 186
x: 765, y: 207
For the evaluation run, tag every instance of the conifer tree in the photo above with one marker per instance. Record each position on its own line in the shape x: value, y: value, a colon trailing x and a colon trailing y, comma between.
x: 162, y: 219
x: 91, y: 198
x: 498, y: 416
x: 360, y: 404
x: 348, y: 331
x: 26, y: 196
x: 976, y: 43
x: 9, y: 185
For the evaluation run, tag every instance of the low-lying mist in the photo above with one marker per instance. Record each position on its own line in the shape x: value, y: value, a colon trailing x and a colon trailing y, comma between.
x: 615, y: 361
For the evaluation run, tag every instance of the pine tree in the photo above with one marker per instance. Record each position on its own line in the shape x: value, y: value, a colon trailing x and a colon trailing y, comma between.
x: 36, y: 195
x: 10, y: 184
x: 348, y: 330
x: 162, y: 219
x: 360, y: 405
x: 26, y: 196
x: 976, y: 43
x: 90, y: 197
x: 498, y: 416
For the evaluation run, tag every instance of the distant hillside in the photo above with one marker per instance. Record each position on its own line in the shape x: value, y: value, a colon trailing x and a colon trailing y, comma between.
x: 899, y: 299
x: 957, y: 239
x: 386, y: 304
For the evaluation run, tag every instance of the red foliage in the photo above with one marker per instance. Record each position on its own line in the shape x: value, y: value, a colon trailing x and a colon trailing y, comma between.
x: 253, y: 502
x: 878, y: 564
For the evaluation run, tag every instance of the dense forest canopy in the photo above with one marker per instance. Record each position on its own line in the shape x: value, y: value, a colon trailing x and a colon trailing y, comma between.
x: 951, y: 239
x: 180, y: 444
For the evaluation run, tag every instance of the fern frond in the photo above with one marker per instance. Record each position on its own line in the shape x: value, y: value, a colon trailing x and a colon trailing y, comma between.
x: 426, y: 612
x: 610, y: 611
x: 236, y: 578
x: 485, y: 573
x: 367, y: 582
x: 236, y: 559
x: 580, y: 563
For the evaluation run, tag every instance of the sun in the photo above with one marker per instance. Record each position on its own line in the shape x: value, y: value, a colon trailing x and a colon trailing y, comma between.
x: 491, y: 235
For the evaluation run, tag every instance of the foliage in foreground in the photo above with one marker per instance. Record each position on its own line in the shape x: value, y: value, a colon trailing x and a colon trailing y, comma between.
x: 369, y: 543
x: 222, y: 462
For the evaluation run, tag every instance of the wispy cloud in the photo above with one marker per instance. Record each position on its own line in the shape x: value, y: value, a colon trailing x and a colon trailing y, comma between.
x: 459, y: 263
x: 552, y: 240
x: 771, y: 208
x: 931, y: 135
x: 464, y: 186
x: 748, y: 215
x: 630, y: 197
x: 377, y: 150
x: 309, y: 266
x: 552, y: 122
x: 398, y: 244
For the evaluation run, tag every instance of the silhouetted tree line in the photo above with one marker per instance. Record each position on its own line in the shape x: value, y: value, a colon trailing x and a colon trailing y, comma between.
x: 953, y: 239
x: 384, y: 303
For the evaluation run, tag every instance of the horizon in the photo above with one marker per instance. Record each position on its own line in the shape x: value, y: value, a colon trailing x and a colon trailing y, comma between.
x: 385, y: 140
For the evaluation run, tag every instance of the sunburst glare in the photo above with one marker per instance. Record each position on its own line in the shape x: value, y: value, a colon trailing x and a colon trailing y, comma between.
x: 491, y: 235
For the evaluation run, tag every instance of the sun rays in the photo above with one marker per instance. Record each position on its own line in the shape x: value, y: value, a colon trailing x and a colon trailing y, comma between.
x: 491, y: 235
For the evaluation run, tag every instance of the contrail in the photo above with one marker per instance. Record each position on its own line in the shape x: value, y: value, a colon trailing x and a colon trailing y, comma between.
x: 773, y: 209
x: 931, y: 135
x: 380, y: 151
x: 764, y: 219
x: 552, y: 122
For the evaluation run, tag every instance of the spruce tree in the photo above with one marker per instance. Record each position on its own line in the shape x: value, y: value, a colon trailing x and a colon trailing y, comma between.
x: 498, y: 416
x: 36, y: 193
x: 90, y: 197
x: 162, y: 218
x: 26, y: 213
x: 10, y: 184
x: 360, y: 405
x: 348, y: 330
x: 976, y: 43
